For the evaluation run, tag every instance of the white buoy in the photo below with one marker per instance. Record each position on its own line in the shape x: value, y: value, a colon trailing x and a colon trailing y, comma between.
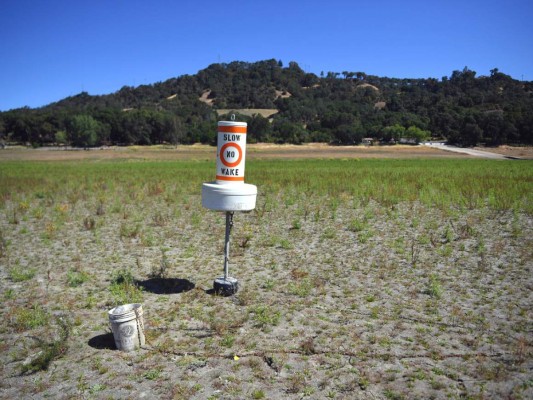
x: 228, y: 192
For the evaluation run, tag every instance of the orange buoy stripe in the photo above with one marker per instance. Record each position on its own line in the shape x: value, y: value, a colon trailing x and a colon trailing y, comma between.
x: 232, y: 129
x: 230, y: 178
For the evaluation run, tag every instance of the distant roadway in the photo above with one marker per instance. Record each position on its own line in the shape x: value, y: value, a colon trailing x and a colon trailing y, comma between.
x: 472, y: 152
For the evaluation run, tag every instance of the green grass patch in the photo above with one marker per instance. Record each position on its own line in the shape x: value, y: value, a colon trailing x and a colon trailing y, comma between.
x: 465, y: 183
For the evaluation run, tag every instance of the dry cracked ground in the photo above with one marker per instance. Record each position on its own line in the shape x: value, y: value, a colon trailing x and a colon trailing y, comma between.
x: 339, y: 299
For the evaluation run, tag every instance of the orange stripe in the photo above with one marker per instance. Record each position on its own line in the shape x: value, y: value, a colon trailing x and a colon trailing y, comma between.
x: 230, y: 178
x: 232, y: 129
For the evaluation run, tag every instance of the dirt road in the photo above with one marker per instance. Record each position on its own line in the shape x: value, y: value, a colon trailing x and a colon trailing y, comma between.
x: 471, y: 152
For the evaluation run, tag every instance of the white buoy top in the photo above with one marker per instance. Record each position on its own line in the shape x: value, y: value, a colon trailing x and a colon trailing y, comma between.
x: 229, y: 197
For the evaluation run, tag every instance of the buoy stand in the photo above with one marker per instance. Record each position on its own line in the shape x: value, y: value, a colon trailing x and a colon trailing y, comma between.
x: 228, y: 192
x: 226, y: 285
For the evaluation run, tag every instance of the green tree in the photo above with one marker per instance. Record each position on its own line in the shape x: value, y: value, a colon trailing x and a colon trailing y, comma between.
x: 61, y: 137
x: 83, y: 131
x: 419, y: 135
x: 394, y: 132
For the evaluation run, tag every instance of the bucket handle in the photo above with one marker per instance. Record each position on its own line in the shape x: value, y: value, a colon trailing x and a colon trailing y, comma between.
x: 140, y: 325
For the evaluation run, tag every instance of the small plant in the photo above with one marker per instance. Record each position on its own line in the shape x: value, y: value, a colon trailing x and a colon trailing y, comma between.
x: 130, y: 231
x: 227, y: 341
x: 153, y: 374
x: 265, y: 316
x: 49, y: 350
x: 285, y: 244
x: 161, y: 271
x: 9, y: 294
x: 268, y: 284
x: 76, y: 278
x: 302, y: 288
x: 100, y: 210
x: 29, y: 318
x: 258, y: 394
x: 159, y: 219
x: 3, y: 245
x: 308, y: 346
x: 124, y: 288
x: 357, y: 225
x: 13, y: 218
x: 18, y: 274
x: 296, y: 224
x: 196, y: 218
x: 329, y: 233
x: 89, y: 223
x: 434, y: 288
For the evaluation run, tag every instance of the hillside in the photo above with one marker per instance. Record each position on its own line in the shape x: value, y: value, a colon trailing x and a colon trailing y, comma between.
x: 285, y: 104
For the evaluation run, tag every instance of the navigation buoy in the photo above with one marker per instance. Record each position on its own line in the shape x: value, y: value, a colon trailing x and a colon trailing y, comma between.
x: 228, y: 192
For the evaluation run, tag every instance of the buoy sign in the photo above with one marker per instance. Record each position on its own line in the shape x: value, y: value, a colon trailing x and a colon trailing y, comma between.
x: 231, y: 143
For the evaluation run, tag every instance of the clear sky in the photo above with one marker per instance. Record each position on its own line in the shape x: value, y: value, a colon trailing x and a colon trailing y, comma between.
x: 51, y: 49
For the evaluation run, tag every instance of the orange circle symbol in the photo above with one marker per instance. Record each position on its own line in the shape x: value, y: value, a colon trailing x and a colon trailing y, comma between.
x: 224, y: 161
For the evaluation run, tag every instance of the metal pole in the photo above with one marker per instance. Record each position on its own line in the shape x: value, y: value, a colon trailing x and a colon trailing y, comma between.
x: 229, y: 225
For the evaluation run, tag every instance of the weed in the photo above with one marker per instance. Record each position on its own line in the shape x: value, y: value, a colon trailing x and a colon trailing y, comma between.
x: 329, y: 233
x: 159, y: 219
x: 9, y: 294
x: 227, y: 341
x: 19, y: 274
x: 89, y: 223
x: 98, y: 366
x: 258, y: 394
x: 196, y: 219
x: 308, y: 346
x: 49, y: 350
x: 268, y: 284
x: 29, y: 318
x: 153, y: 374
x: 97, y: 387
x: 13, y: 218
x: 389, y: 394
x: 161, y: 271
x: 76, y: 278
x: 364, y: 236
x: 100, y: 210
x: 296, y: 383
x: 130, y: 230
x: 265, y: 316
x: 298, y: 273
x: 285, y: 244
x: 357, y: 225
x: 3, y: 245
x: 37, y: 213
x: 302, y: 288
x: 124, y: 289
x: 296, y: 224
x: 448, y: 234
x: 434, y: 288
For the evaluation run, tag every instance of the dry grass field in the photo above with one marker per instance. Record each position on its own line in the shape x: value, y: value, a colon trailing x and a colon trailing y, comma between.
x: 206, y: 153
x: 375, y: 274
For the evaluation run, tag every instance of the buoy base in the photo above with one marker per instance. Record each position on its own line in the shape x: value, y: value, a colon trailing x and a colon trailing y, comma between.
x: 238, y: 197
x: 226, y: 286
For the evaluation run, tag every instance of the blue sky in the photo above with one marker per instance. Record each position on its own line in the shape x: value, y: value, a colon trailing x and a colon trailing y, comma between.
x: 53, y: 49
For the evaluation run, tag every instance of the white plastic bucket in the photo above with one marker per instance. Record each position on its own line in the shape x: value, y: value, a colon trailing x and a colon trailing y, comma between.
x: 231, y: 152
x: 127, y: 325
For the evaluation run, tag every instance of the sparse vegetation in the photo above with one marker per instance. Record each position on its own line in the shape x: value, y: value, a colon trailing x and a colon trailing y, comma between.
x: 369, y: 278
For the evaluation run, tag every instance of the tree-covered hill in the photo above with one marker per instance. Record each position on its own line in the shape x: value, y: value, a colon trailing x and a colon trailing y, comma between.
x: 334, y: 107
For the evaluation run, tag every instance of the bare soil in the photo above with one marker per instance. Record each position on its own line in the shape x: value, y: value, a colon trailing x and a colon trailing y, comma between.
x: 525, y: 152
